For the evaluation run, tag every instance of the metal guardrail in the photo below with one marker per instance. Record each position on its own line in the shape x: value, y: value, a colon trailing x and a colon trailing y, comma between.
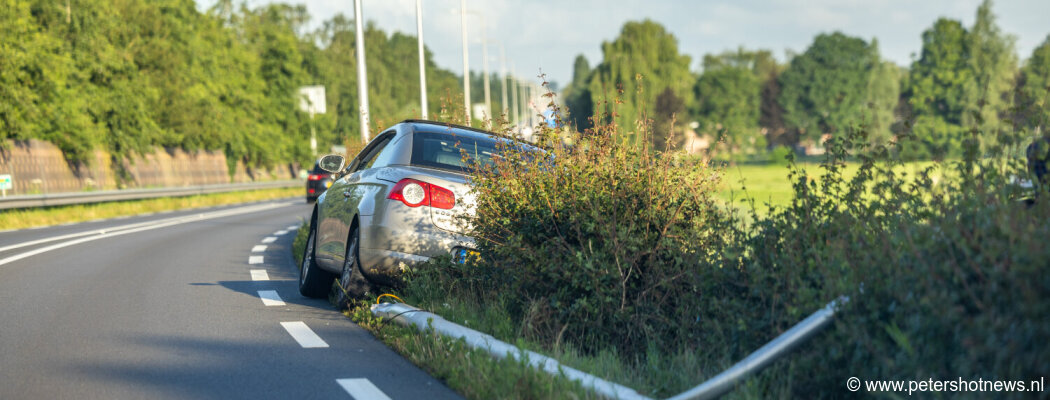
x: 69, y: 198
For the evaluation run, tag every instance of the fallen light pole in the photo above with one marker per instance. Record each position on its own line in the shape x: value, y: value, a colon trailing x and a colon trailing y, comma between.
x: 764, y: 356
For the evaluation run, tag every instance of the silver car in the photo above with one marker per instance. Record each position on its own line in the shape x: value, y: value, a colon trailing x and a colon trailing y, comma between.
x: 396, y: 204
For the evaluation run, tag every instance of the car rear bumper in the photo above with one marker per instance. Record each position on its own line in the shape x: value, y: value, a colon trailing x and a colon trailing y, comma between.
x: 401, y: 238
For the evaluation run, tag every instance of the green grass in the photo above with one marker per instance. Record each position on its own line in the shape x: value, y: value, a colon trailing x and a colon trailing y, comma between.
x: 770, y: 184
x: 472, y: 373
x: 33, y: 217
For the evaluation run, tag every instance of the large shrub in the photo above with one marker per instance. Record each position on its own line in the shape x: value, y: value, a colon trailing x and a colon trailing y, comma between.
x: 599, y: 240
x: 946, y: 277
x: 607, y: 246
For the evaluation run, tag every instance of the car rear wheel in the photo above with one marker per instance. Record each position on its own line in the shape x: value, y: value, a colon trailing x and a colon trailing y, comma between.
x: 313, y: 281
x: 352, y: 282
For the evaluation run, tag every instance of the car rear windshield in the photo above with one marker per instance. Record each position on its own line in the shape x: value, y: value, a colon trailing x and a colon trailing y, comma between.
x: 458, y: 153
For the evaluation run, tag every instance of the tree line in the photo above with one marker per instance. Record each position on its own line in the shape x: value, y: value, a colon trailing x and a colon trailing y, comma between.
x: 129, y: 76
x: 966, y: 83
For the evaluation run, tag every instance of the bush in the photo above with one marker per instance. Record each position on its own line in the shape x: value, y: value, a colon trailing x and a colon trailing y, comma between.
x: 945, y: 279
x: 599, y: 241
x: 605, y: 246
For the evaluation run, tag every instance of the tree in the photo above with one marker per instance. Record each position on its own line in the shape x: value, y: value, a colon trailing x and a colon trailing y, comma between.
x: 825, y: 89
x: 993, y: 63
x: 640, y: 64
x: 883, y: 94
x: 578, y: 95
x: 1034, y: 90
x: 729, y: 96
x: 34, y: 72
x: 936, y: 91
x: 667, y: 109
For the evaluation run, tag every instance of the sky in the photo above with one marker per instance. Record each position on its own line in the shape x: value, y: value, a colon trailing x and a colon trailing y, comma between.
x: 547, y: 35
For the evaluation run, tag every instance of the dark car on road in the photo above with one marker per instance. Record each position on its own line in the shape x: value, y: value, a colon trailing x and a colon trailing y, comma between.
x: 395, y: 205
x: 317, y: 182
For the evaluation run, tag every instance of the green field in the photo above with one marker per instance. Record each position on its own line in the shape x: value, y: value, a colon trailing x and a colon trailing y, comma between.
x: 770, y: 184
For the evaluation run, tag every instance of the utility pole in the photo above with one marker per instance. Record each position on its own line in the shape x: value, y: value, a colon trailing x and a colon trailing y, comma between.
x: 514, y: 97
x: 485, y: 57
x: 422, y: 60
x: 362, y: 75
x: 523, y: 104
x: 503, y: 79
x: 466, y: 62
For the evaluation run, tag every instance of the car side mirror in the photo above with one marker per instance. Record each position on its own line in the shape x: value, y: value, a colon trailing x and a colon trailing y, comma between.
x: 332, y: 163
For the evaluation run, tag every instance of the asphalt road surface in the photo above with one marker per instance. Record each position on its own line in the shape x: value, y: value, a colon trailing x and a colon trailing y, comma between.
x: 199, y: 304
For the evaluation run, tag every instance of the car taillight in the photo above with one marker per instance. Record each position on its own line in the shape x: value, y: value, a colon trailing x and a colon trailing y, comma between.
x: 441, y: 197
x: 418, y: 193
x: 315, y: 177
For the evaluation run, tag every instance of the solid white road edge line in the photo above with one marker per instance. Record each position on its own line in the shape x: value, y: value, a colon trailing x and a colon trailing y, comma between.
x: 101, y: 234
x: 270, y: 298
x: 255, y: 260
x: 260, y: 275
x: 302, y: 334
x: 259, y: 248
x: 85, y: 233
x: 362, y: 389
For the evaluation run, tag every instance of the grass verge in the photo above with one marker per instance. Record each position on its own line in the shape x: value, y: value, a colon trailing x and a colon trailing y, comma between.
x: 33, y: 217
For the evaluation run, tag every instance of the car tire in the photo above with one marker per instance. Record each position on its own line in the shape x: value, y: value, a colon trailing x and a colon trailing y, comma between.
x: 352, y: 283
x: 313, y: 281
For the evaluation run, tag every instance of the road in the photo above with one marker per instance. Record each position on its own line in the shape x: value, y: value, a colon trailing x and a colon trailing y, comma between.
x: 199, y: 304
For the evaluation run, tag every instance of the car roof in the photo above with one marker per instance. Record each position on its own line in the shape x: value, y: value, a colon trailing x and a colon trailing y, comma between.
x: 420, y: 125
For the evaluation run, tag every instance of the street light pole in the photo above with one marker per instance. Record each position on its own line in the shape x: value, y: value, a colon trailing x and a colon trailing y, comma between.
x: 485, y: 57
x: 466, y: 63
x: 362, y: 75
x: 514, y: 97
x: 503, y: 79
x: 422, y: 60
x: 523, y: 104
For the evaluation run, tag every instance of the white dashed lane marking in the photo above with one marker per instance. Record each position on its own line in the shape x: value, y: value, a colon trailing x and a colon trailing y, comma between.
x: 270, y: 298
x: 280, y: 232
x: 260, y: 275
x: 259, y: 248
x: 304, y: 335
x: 362, y: 389
x: 293, y: 227
x: 269, y: 239
x: 255, y: 260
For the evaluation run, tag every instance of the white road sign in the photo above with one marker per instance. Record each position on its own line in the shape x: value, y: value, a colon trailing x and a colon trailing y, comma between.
x: 311, y: 99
